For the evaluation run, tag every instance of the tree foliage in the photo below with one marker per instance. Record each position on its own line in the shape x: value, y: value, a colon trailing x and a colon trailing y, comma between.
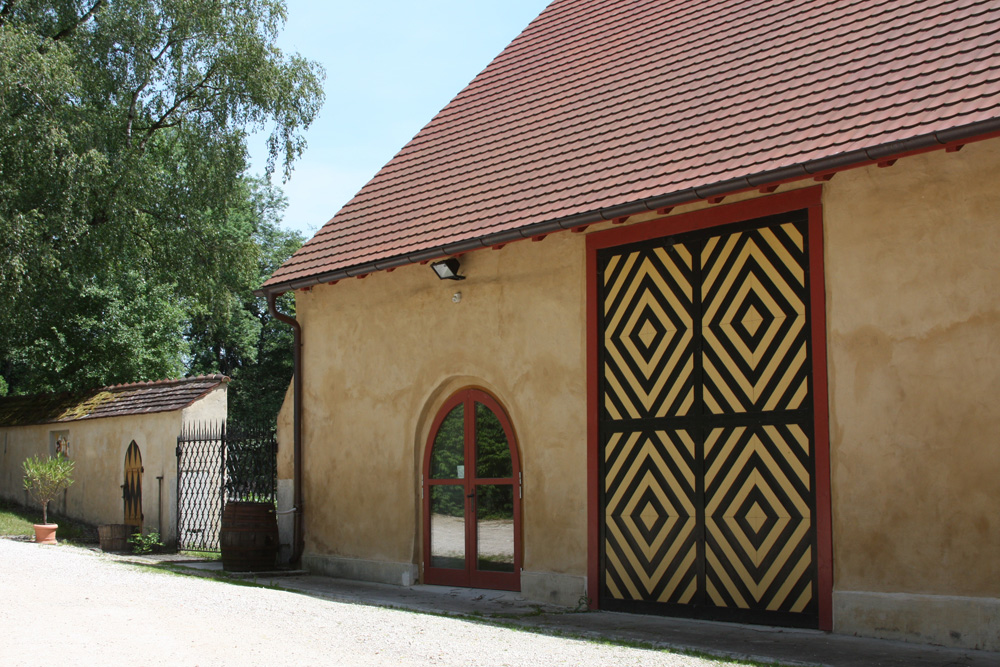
x: 491, y: 452
x: 239, y: 337
x: 129, y: 233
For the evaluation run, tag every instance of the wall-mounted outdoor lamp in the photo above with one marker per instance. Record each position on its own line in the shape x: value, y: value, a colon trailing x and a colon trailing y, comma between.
x: 447, y: 269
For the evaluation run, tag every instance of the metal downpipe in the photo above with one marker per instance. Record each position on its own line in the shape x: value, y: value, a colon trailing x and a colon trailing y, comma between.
x: 298, y: 538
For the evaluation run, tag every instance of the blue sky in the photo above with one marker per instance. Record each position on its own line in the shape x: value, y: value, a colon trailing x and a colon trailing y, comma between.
x: 390, y: 66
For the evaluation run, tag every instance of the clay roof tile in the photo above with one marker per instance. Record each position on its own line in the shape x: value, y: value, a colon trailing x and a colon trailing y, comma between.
x: 114, y: 401
x: 605, y: 102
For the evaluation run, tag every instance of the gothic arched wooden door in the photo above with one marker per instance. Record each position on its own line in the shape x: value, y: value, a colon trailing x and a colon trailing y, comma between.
x: 132, y: 488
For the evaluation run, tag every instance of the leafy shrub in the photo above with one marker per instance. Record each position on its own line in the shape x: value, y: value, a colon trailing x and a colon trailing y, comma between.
x: 144, y: 544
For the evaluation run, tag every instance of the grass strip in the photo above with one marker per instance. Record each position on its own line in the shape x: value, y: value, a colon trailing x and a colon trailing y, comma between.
x: 16, y: 520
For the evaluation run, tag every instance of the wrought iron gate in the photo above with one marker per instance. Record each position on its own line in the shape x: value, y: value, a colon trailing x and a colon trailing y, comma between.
x: 707, y: 466
x: 215, y: 465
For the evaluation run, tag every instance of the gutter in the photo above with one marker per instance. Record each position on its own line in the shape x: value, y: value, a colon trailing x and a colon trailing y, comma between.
x: 298, y: 538
x: 882, y: 153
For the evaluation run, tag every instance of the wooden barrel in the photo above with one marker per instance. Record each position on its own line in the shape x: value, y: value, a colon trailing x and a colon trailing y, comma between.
x: 249, y: 537
x: 114, y: 536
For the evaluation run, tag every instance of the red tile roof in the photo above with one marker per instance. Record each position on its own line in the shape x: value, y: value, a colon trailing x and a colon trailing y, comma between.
x: 114, y: 401
x: 601, y: 104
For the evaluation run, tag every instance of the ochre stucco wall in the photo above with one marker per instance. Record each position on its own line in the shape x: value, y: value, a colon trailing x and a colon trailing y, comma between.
x: 98, y: 447
x: 381, y: 354
x: 913, y: 324
x: 913, y: 307
x: 212, y: 408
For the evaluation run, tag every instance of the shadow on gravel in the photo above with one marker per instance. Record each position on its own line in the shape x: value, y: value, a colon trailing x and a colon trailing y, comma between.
x: 493, y: 608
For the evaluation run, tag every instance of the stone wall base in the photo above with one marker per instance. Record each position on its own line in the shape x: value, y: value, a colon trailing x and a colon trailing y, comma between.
x: 383, y: 572
x: 961, y: 622
x: 565, y: 590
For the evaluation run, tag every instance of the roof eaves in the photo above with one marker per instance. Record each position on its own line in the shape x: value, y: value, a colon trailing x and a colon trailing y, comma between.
x: 857, y: 158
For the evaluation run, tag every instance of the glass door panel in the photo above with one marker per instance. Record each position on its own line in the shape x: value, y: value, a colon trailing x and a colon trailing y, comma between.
x: 448, y: 453
x: 495, y: 527
x: 448, y: 526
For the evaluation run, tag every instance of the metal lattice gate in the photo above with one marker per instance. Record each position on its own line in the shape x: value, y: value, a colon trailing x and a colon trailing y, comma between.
x: 215, y: 465
x: 201, y: 476
x: 706, y: 427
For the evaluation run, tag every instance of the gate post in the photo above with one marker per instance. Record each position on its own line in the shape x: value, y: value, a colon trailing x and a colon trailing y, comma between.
x: 222, y: 479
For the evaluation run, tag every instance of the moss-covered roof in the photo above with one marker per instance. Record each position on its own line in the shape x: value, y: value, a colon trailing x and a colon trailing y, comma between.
x: 114, y: 401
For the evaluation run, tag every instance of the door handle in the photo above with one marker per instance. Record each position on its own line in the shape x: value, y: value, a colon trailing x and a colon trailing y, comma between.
x: 471, y: 495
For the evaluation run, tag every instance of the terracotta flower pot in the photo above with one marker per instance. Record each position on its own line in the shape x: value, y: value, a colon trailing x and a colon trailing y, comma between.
x: 45, y: 533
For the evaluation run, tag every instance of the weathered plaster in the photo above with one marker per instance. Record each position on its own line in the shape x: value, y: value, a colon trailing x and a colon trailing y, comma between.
x: 209, y: 409
x: 913, y: 325
x: 914, y: 346
x: 98, y: 448
x: 286, y: 485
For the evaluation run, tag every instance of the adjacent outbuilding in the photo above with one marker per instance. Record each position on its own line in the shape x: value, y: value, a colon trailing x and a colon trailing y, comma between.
x: 123, y: 439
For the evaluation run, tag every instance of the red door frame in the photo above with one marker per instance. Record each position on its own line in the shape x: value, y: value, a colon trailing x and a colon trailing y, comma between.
x: 470, y: 576
x: 809, y: 199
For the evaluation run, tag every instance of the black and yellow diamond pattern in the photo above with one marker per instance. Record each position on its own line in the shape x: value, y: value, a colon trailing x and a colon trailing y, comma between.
x: 753, y: 320
x: 758, y: 519
x: 650, y: 516
x: 648, y: 361
x: 707, y: 463
x: 132, y: 489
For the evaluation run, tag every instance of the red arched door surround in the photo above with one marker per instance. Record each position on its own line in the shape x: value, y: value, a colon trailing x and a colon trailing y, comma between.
x: 472, y: 496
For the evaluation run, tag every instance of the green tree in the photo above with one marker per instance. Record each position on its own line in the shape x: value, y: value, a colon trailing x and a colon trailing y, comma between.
x: 123, y: 204
x: 240, y: 338
x: 258, y: 389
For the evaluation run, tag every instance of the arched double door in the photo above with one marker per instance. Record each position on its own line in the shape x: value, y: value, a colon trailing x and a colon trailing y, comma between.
x: 471, y: 496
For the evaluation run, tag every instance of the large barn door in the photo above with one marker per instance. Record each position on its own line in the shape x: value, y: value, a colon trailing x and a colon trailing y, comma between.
x: 707, y: 464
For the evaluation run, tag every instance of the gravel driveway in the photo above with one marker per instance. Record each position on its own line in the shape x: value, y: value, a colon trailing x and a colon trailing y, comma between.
x: 68, y: 606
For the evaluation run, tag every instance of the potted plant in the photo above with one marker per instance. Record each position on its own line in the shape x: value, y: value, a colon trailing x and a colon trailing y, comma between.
x: 44, y: 479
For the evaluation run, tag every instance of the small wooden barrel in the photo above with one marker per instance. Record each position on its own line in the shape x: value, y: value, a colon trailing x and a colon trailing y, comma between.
x: 114, y: 536
x: 249, y: 537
